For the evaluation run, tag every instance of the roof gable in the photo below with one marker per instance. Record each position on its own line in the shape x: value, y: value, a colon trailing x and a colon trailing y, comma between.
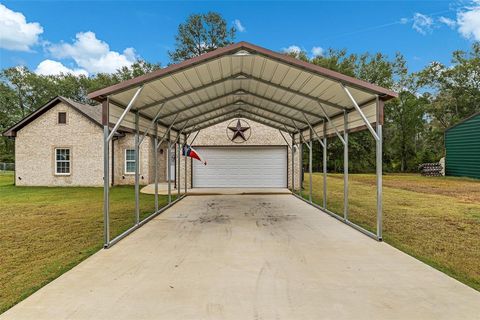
x: 92, y: 113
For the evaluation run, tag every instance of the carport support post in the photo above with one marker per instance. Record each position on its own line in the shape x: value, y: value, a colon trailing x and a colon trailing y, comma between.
x: 179, y: 167
x: 185, y: 161
x: 345, y: 166
x: 137, y: 167
x: 379, y: 168
x: 106, y: 173
x: 310, y: 163
x: 155, y: 168
x: 169, y: 169
x: 293, y: 163
x: 324, y: 164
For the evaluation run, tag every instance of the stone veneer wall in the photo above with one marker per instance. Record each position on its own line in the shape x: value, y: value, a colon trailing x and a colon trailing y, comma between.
x: 35, y: 144
x: 35, y: 150
x: 146, y: 161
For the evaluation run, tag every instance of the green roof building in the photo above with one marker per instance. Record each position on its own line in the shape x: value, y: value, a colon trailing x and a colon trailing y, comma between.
x: 462, y: 145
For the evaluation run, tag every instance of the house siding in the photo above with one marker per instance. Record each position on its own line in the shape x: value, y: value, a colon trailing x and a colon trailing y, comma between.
x: 462, y: 144
x: 146, y: 160
x: 35, y: 150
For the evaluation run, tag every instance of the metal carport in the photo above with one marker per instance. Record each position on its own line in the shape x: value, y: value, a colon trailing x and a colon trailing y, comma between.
x: 300, y: 99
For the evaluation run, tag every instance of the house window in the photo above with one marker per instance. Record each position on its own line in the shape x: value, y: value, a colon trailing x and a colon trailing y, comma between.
x: 62, y: 117
x: 130, y: 161
x: 62, y: 161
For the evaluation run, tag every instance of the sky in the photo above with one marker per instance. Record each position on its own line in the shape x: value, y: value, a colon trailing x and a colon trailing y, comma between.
x: 88, y: 37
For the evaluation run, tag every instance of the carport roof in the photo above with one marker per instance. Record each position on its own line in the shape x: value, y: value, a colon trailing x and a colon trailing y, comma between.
x: 243, y: 80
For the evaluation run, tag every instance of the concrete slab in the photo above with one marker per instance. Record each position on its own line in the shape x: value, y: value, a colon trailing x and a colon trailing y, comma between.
x: 249, y: 257
x: 163, y: 190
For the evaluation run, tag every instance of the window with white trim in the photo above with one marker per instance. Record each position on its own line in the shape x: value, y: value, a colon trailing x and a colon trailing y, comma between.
x: 62, y: 161
x: 129, y: 160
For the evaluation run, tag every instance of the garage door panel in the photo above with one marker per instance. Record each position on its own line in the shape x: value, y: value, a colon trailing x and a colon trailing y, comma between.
x: 241, y: 167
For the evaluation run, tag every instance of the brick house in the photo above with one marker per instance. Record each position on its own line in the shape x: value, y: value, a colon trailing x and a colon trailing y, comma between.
x: 61, y: 144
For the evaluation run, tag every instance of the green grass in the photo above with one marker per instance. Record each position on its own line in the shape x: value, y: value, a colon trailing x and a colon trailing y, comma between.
x: 47, y: 231
x: 434, y: 219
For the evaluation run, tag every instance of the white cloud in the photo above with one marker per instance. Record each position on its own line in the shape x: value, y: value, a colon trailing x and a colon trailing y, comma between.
x: 447, y: 21
x: 423, y: 24
x: 317, y: 51
x: 92, y: 54
x: 50, y: 67
x: 292, y: 49
x: 239, y: 26
x: 404, y: 20
x: 15, y: 32
x: 468, y: 21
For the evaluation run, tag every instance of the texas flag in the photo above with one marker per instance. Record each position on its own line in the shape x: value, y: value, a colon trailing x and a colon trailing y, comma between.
x: 188, y: 151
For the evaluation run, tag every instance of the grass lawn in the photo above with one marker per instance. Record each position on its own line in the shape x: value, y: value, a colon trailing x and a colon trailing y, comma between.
x: 46, y: 231
x: 435, y: 219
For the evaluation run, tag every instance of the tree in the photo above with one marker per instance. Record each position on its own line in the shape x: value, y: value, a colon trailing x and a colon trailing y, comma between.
x: 22, y: 92
x: 453, y: 93
x: 455, y: 89
x: 201, y: 33
x: 404, y: 119
x: 372, y: 68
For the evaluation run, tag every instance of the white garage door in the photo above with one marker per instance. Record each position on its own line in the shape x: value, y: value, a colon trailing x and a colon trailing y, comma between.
x: 241, y: 167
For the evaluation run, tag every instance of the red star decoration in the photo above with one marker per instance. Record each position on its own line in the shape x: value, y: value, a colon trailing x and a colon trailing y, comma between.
x: 238, y: 131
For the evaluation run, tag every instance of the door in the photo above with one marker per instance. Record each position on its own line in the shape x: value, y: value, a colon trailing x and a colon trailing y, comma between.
x: 241, y: 167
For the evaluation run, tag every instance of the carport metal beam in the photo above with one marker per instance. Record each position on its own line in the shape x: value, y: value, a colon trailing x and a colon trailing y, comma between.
x: 312, y: 130
x: 197, y: 105
x: 310, y: 164
x: 165, y: 135
x: 239, y: 93
x: 313, y: 114
x: 265, y: 116
x: 125, y: 112
x: 137, y: 169
x: 213, y: 121
x: 324, y: 165
x: 196, y: 123
x: 331, y: 123
x: 276, y: 124
x: 306, y: 96
x: 155, y: 168
x: 273, y: 112
x: 151, y: 125
x: 241, y: 104
x: 187, y: 92
x: 345, y: 166
x: 293, y: 163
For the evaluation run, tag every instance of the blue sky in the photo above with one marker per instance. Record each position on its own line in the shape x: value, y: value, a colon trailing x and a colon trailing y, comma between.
x: 90, y: 37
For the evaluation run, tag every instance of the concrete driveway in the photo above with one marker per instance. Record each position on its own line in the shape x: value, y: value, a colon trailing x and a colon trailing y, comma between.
x: 249, y: 257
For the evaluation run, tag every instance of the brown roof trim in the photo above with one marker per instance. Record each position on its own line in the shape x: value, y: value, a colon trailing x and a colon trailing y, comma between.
x: 99, y: 95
